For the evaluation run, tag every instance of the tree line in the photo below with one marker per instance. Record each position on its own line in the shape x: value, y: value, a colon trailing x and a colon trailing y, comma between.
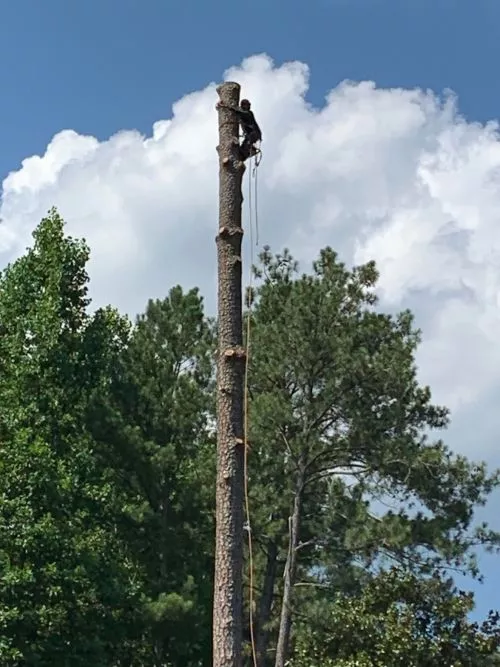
x: 362, y: 518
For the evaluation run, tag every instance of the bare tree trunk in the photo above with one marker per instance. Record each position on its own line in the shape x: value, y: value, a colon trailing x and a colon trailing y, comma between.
x: 228, y: 589
x: 266, y: 604
x: 283, y: 644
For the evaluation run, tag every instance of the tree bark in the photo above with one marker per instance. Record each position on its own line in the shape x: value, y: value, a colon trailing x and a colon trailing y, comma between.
x: 266, y: 604
x: 283, y: 644
x: 228, y: 588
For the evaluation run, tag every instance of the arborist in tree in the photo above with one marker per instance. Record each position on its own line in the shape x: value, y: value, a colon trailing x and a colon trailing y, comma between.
x: 249, y: 126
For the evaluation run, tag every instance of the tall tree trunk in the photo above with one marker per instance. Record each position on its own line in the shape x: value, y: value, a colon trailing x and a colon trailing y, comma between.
x: 283, y: 644
x: 266, y: 604
x: 228, y: 587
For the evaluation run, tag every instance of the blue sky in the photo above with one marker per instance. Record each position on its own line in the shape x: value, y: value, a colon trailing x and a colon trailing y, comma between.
x: 99, y: 66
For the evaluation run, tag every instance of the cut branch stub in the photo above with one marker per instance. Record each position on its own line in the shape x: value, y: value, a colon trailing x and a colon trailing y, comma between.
x: 237, y: 352
x: 227, y: 231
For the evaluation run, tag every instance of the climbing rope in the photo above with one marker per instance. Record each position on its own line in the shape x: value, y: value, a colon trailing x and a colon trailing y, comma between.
x: 252, y: 173
x: 255, y: 173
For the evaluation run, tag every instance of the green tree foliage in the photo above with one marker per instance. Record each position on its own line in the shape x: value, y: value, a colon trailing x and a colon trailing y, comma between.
x: 67, y: 591
x: 153, y: 428
x: 107, y: 477
x: 339, y: 422
x: 399, y: 620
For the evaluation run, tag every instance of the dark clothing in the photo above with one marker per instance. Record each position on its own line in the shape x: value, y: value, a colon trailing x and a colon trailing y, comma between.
x: 248, y: 124
x: 251, y: 132
x: 247, y: 145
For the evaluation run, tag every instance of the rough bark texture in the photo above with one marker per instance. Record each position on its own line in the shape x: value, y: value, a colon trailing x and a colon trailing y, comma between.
x: 283, y: 644
x: 228, y: 592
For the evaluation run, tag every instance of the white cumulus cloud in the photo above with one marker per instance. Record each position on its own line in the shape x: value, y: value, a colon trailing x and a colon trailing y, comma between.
x: 390, y: 174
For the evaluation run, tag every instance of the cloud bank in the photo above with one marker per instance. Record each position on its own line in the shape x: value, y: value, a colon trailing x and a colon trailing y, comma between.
x: 387, y: 174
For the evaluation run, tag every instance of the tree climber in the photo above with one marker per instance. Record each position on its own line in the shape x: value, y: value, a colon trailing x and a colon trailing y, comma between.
x: 249, y: 126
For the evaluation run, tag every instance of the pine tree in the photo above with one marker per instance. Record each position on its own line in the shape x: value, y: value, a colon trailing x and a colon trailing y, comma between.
x: 340, y: 422
x: 152, y: 427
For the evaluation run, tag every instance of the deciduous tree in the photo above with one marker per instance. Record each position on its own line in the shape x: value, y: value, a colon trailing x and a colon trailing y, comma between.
x: 68, y: 592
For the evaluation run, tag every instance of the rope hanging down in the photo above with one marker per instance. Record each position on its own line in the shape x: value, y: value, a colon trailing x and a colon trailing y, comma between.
x: 251, y: 173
